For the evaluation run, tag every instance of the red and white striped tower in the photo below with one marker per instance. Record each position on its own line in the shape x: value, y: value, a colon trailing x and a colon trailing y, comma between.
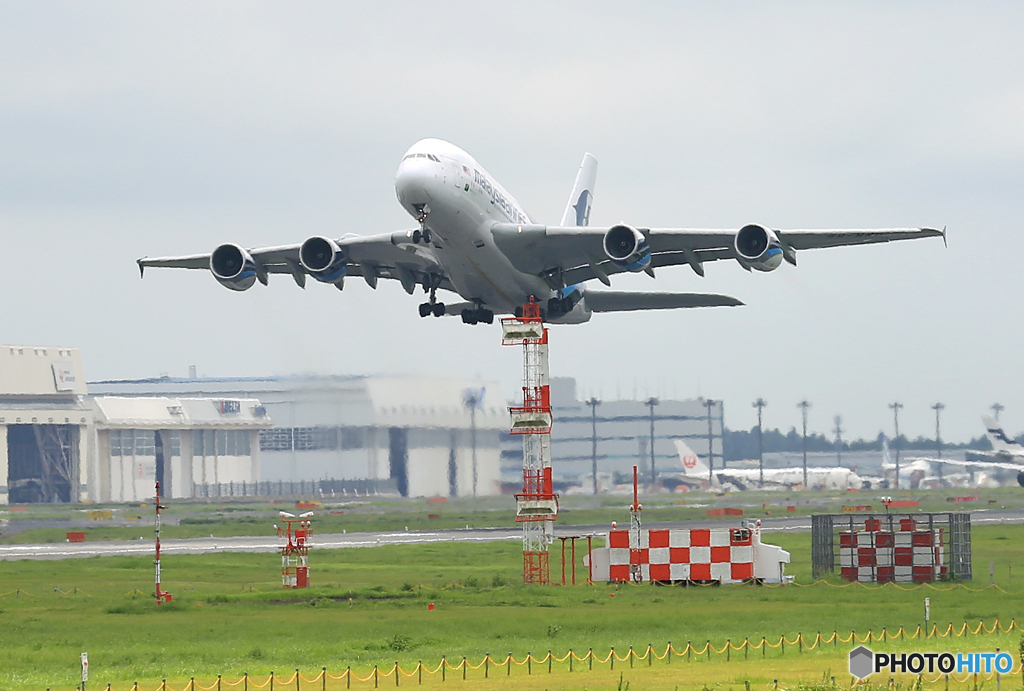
x: 537, y: 505
x: 162, y: 596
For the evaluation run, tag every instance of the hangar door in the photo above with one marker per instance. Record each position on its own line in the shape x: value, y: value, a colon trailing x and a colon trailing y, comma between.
x: 43, y: 463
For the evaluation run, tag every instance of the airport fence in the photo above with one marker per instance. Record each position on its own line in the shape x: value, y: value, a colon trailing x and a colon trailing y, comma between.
x: 572, y: 661
x: 306, y: 489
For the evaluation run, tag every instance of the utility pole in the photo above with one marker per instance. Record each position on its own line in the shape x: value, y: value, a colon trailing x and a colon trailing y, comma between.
x: 803, y: 406
x: 997, y: 408
x: 651, y: 402
x: 760, y: 403
x: 593, y: 403
x: 839, y: 440
x: 710, y: 404
x: 895, y: 406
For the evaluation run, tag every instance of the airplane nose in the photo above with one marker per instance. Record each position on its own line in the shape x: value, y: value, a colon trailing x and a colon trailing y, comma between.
x: 412, y: 182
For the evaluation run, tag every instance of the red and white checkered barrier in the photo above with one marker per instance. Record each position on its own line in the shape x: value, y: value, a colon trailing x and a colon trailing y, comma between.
x: 907, y: 555
x: 725, y: 555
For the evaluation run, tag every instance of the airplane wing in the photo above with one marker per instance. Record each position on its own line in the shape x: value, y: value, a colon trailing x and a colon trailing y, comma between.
x: 390, y: 255
x: 576, y: 254
x: 975, y: 464
x: 620, y: 301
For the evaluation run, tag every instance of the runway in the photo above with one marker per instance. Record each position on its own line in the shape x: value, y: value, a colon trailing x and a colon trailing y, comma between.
x: 207, y: 545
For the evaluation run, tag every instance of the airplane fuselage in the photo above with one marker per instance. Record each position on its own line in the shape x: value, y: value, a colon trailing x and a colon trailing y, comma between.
x: 459, y: 202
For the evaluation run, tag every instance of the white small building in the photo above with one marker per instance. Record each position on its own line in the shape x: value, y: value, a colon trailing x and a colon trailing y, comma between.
x: 187, y: 443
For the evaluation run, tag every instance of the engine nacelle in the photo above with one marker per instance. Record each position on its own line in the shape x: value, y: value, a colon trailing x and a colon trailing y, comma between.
x: 323, y: 259
x: 758, y: 248
x: 627, y: 248
x: 233, y: 267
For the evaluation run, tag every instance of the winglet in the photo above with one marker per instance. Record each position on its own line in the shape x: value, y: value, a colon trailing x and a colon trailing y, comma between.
x: 944, y: 243
x: 142, y: 268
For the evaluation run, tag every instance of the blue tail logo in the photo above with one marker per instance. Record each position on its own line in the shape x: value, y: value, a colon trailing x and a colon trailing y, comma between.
x: 582, y: 207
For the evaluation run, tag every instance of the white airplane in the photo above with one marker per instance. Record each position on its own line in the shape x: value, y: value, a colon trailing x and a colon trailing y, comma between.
x: 474, y: 239
x: 833, y: 479
x: 1006, y: 454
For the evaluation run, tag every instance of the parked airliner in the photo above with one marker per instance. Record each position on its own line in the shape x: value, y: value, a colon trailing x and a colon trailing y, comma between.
x: 474, y: 239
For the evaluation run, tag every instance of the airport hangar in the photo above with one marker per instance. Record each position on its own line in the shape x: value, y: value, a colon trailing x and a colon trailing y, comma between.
x: 60, y: 442
x: 412, y: 436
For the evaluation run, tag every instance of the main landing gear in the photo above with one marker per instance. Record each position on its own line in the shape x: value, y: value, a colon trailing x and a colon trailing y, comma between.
x: 432, y: 306
x: 480, y: 315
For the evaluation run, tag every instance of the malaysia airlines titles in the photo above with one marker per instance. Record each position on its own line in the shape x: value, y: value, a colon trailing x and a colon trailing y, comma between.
x: 498, y: 199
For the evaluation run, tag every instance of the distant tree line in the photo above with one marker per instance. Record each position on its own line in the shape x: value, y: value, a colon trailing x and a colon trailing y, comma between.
x: 741, y: 444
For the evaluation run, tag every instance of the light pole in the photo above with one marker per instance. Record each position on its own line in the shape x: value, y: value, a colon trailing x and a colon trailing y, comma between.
x: 709, y: 404
x: 472, y: 399
x: 938, y: 407
x: 997, y: 408
x: 895, y: 406
x: 839, y: 440
x: 651, y: 402
x: 760, y: 403
x: 803, y: 406
x: 593, y: 403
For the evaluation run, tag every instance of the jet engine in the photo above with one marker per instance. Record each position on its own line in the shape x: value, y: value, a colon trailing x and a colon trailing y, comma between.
x: 233, y: 267
x: 323, y: 259
x: 758, y: 248
x: 627, y: 248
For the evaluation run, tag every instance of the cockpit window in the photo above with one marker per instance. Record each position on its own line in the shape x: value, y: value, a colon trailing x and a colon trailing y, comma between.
x: 432, y: 157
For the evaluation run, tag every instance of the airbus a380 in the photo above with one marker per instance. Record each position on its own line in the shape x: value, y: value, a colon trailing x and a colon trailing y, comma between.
x: 473, y: 239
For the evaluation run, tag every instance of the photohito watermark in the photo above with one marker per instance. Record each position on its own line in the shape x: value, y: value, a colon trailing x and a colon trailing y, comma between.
x: 864, y: 662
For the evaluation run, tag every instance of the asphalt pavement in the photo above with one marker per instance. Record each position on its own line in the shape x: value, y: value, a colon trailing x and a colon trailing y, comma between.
x: 206, y: 545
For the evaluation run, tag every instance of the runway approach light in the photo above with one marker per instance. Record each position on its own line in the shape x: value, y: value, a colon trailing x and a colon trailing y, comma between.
x: 306, y: 515
x: 285, y: 514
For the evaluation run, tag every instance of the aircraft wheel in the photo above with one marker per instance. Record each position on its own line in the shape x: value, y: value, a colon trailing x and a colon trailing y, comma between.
x: 1020, y: 478
x: 486, y: 316
x: 416, y: 236
x: 438, y: 309
x: 425, y: 309
x: 468, y: 316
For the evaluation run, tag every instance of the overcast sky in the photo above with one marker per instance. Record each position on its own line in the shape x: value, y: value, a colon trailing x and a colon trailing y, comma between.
x: 131, y: 129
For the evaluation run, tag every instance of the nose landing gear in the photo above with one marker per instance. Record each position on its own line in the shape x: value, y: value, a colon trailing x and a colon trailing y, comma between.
x: 424, y: 232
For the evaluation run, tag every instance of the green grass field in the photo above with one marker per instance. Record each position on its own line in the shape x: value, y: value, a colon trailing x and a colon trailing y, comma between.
x: 370, y: 607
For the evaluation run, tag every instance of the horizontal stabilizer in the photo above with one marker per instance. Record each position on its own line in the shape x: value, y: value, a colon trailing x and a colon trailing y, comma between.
x: 620, y: 301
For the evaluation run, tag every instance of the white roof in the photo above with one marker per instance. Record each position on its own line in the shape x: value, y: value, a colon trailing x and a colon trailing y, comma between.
x: 163, y: 413
x: 40, y: 371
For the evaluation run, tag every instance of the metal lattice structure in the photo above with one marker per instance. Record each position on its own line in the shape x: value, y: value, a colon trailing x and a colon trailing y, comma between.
x: 537, y: 505
x: 873, y: 547
x: 295, y: 549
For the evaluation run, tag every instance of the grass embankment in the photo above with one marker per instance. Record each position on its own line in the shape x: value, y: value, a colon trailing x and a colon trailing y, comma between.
x: 234, y: 517
x: 231, y: 617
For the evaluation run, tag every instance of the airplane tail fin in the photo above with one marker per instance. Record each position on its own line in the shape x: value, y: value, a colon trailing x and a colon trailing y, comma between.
x: 1001, y: 441
x: 577, y: 211
x: 692, y: 465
